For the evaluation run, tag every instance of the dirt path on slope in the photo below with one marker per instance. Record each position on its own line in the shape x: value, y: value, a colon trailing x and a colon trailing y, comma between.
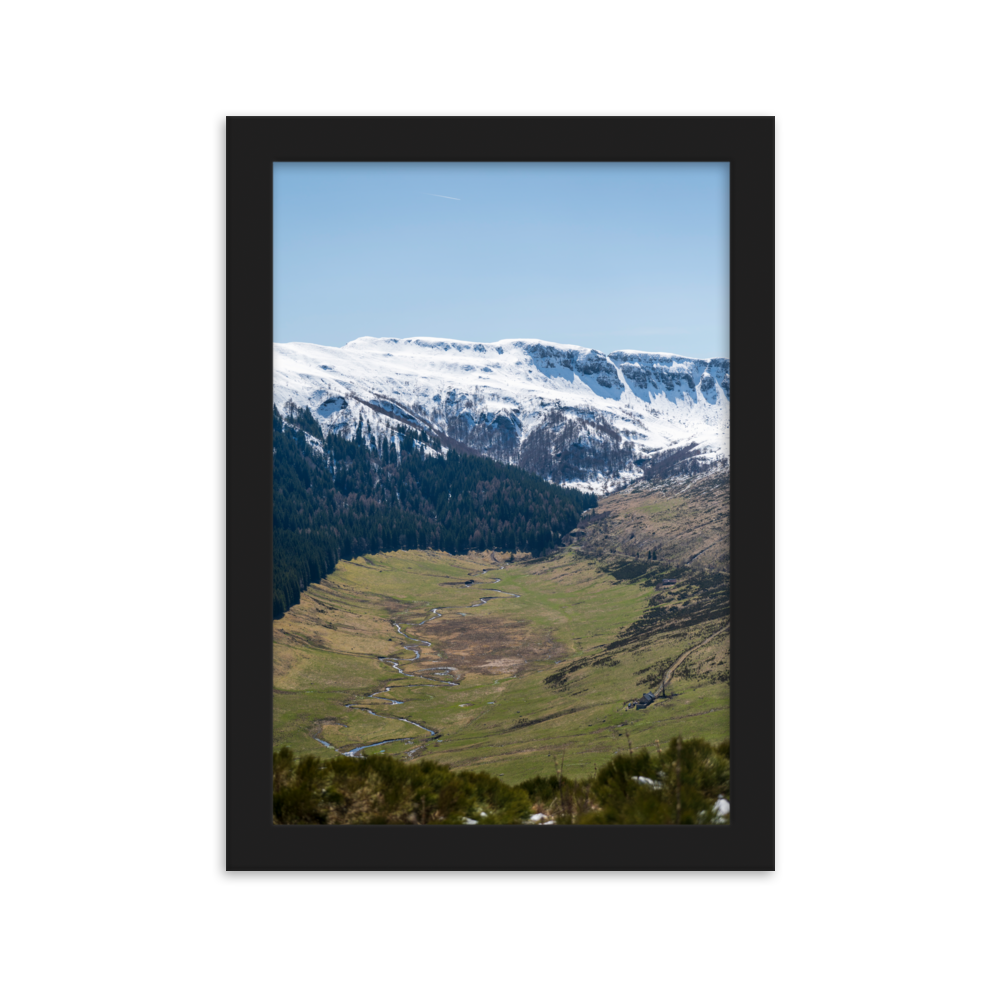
x: 668, y: 676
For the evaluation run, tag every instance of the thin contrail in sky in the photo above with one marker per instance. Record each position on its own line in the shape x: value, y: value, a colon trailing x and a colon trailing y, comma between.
x: 448, y: 196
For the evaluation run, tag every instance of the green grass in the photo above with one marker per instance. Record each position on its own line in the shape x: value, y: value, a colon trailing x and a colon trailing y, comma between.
x: 543, y: 677
x: 568, y: 610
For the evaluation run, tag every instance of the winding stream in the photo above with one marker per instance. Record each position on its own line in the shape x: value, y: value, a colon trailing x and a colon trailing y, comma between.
x: 425, y: 679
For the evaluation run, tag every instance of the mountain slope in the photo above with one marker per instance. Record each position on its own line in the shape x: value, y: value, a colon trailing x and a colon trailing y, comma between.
x: 347, y: 497
x: 572, y: 415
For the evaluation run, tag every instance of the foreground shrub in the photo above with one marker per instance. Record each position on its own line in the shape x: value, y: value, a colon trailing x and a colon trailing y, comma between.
x: 382, y: 789
x: 678, y: 785
x: 298, y: 789
x: 562, y: 798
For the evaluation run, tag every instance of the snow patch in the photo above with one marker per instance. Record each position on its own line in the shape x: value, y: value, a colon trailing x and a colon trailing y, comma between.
x: 652, y: 401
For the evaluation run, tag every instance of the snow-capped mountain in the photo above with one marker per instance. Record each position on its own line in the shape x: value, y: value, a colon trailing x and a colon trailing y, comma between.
x: 572, y: 414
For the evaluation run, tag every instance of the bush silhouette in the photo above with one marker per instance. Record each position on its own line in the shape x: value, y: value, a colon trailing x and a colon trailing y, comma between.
x: 680, y: 785
x: 381, y: 789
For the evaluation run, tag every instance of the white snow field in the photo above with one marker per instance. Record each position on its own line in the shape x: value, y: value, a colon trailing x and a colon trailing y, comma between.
x: 576, y: 415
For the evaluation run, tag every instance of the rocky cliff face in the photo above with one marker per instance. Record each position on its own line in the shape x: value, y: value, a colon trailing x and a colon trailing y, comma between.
x: 574, y: 415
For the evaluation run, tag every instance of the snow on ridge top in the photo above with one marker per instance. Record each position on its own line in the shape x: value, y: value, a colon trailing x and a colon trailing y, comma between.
x: 518, y: 399
x: 367, y: 343
x: 525, y: 343
x: 637, y: 357
x: 536, y: 342
x: 302, y: 349
x: 380, y: 343
x: 302, y: 343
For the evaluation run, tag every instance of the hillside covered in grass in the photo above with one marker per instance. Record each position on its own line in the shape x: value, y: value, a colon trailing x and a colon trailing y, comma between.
x: 635, y: 600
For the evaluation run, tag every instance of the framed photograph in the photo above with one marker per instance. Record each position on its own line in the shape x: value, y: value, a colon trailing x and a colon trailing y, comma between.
x: 493, y: 601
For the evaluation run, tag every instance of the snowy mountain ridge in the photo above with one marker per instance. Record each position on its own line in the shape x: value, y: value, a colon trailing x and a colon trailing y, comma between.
x: 575, y: 415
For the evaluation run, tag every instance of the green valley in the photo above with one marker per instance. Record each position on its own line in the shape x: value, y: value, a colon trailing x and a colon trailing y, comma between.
x: 636, y: 599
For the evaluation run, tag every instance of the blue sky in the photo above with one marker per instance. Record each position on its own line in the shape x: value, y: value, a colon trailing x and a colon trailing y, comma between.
x: 603, y: 255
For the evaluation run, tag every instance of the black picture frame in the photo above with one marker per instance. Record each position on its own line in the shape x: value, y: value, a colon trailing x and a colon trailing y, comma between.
x: 253, y: 842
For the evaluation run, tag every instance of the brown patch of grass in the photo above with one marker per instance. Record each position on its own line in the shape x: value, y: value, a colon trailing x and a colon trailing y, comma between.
x: 680, y: 520
x: 506, y: 665
x: 484, y: 645
x: 325, y: 728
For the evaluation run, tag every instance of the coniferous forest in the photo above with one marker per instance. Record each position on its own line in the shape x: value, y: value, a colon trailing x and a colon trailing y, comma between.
x: 362, y: 494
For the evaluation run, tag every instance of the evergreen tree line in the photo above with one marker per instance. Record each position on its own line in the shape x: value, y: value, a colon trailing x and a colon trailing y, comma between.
x: 365, y: 495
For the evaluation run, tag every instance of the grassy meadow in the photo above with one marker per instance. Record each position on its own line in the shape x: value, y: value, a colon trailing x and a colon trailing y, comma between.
x: 537, y: 680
